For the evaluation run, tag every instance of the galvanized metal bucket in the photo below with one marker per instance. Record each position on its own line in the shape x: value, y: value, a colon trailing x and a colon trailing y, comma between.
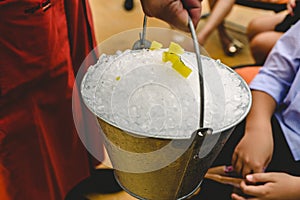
x: 163, y: 168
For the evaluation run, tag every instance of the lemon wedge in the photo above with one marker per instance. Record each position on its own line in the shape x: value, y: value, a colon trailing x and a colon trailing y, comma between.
x: 175, y: 48
x: 181, y: 68
x: 155, y: 45
x: 167, y: 56
x: 173, y: 56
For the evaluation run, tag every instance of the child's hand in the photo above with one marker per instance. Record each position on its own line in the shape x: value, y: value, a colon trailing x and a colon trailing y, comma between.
x: 276, y: 186
x: 254, y: 151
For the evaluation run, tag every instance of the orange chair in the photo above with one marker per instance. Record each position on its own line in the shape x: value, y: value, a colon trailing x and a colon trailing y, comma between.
x: 247, y: 72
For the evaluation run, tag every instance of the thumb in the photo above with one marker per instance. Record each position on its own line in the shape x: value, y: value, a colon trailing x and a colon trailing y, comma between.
x: 259, y: 177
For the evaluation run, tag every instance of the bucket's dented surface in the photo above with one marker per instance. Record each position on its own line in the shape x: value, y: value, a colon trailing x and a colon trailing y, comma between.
x: 148, y: 114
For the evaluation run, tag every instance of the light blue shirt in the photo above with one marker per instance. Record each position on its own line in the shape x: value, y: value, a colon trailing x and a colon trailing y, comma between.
x: 280, y: 78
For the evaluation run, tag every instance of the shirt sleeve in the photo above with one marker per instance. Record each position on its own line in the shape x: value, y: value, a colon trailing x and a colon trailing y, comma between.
x: 281, y: 66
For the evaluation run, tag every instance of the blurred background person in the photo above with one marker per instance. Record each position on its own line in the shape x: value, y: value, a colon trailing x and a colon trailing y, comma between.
x: 271, y: 127
x: 263, y: 32
x: 219, y: 10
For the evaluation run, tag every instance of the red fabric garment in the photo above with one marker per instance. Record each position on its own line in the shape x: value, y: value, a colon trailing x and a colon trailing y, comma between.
x: 80, y: 31
x: 82, y: 41
x: 41, y: 156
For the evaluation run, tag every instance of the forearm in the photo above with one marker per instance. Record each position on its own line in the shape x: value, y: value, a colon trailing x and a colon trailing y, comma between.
x: 262, y: 109
x: 219, y: 11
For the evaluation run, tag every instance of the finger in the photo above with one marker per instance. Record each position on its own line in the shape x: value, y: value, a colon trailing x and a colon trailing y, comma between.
x: 176, y: 15
x: 293, y: 3
x: 235, y: 163
x: 237, y: 197
x: 234, y: 159
x: 253, y: 190
x: 260, y: 177
x: 290, y: 9
x: 250, y: 168
x: 195, y: 14
x: 170, y: 11
x: 246, y: 170
x: 194, y: 8
x: 238, y: 165
x: 180, y: 20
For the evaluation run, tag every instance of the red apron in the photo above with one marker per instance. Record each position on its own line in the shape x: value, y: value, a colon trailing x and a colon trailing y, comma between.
x: 41, y: 156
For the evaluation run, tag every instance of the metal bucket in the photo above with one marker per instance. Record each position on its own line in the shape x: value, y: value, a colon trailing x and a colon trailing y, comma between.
x: 177, y: 180
x: 158, y: 167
